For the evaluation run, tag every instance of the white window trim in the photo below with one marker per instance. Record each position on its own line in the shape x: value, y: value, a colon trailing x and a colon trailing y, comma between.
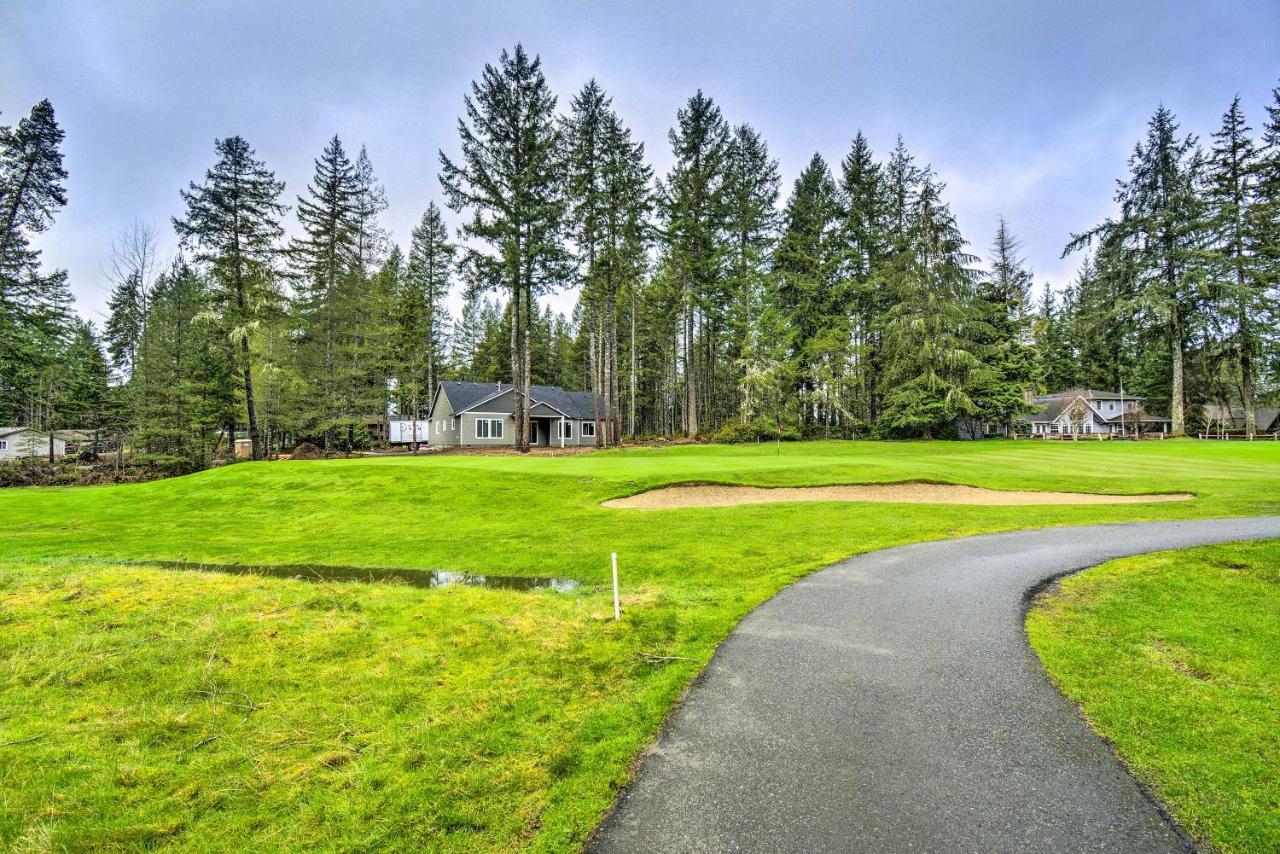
x: 588, y: 429
x: 493, y: 428
x: 4, y: 445
x: 566, y: 429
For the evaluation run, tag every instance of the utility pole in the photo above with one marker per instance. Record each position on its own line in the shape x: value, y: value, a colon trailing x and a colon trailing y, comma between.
x: 1122, y: 430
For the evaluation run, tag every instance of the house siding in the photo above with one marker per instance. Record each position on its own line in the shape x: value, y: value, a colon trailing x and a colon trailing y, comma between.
x: 469, y: 437
x: 442, y: 415
x: 30, y: 443
x: 459, y: 429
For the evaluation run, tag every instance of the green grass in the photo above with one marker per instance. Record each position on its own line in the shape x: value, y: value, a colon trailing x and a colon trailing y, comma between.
x: 452, y: 719
x: 1175, y: 657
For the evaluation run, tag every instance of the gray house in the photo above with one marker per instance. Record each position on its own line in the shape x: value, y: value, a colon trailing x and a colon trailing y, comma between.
x: 1087, y: 411
x: 466, y: 414
x: 1219, y: 418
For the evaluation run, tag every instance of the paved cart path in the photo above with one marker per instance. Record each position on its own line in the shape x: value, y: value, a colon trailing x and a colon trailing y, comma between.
x: 891, y: 703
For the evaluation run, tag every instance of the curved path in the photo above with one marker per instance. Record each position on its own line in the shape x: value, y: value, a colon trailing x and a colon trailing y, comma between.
x: 891, y: 703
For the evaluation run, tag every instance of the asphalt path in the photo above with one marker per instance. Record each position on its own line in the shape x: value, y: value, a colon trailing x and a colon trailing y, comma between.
x: 891, y: 703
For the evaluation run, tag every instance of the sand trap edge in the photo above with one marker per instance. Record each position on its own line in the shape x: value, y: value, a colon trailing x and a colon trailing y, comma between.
x: 704, y: 495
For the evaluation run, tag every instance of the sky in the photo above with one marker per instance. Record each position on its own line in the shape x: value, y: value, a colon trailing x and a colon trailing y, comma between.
x: 1026, y: 109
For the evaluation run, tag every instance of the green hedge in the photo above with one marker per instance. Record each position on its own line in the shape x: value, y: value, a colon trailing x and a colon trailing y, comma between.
x: 760, y: 430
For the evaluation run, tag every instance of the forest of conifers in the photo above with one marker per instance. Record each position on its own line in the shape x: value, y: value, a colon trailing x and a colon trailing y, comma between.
x: 854, y: 308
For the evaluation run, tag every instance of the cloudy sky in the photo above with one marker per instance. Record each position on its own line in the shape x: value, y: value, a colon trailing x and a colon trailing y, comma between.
x: 1025, y: 108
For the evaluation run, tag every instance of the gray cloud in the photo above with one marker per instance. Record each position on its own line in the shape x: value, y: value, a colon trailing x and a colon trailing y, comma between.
x: 1026, y: 109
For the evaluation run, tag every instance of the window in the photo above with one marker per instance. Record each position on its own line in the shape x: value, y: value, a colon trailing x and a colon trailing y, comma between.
x: 566, y: 430
x: 488, y: 428
x: 588, y: 429
x: 1053, y: 428
x: 4, y: 446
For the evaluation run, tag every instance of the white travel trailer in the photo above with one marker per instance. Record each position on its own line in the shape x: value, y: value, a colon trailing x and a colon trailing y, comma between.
x: 404, y: 432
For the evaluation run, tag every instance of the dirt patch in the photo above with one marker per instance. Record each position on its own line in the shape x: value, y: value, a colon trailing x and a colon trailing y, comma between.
x: 716, y: 495
x: 307, y: 451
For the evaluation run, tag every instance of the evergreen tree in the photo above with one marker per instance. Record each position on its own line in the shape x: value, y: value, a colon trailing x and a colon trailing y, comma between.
x: 623, y: 260
x: 327, y: 261
x: 864, y: 248
x: 192, y: 366
x: 232, y: 222
x: 608, y: 192
x: 692, y: 206
x: 583, y: 133
x: 752, y: 187
x: 1050, y: 329
x: 1157, y: 236
x: 810, y: 294
x: 466, y: 337
x: 32, y: 190
x: 372, y: 290
x: 1003, y: 305
x: 510, y: 178
x: 933, y: 331
x: 423, y: 318
x: 85, y: 388
x: 1263, y: 227
x: 371, y: 239
x: 1230, y: 195
x: 34, y: 307
x: 126, y: 321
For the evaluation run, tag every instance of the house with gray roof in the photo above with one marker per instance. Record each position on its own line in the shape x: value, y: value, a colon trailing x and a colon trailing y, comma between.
x: 1088, y: 411
x: 470, y: 414
x: 1219, y: 418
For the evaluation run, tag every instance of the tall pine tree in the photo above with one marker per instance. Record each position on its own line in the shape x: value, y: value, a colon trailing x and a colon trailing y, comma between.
x: 510, y: 179
x: 692, y: 208
x: 232, y: 223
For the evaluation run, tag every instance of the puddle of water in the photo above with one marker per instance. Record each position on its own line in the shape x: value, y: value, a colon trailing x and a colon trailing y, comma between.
x: 411, y: 577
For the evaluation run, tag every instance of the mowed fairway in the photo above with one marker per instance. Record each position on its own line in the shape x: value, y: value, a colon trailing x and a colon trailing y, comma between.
x: 142, y: 706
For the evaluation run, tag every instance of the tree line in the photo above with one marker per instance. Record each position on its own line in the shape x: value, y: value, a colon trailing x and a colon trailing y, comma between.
x: 705, y: 302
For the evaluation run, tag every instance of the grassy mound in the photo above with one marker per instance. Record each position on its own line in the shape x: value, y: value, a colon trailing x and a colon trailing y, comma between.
x: 1175, y: 657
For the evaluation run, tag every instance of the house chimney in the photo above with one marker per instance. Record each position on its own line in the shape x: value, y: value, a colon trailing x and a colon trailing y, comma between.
x: 1028, y: 397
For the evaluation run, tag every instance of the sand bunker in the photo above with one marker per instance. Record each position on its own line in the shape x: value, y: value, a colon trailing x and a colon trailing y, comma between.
x: 713, y: 495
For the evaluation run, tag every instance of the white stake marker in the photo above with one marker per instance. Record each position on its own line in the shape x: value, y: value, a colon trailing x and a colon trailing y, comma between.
x: 617, y: 612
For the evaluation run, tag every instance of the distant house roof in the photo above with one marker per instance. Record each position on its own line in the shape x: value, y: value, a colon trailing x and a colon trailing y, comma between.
x: 1053, y: 408
x: 1088, y: 394
x: 1059, y: 402
x: 1265, y: 416
x: 468, y: 395
x: 9, y: 431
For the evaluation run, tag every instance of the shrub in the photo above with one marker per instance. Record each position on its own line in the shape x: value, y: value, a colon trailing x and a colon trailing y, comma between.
x: 759, y: 430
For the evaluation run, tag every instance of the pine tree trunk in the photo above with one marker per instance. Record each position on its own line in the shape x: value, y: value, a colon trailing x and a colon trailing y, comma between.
x: 631, y: 409
x: 593, y: 347
x: 610, y: 372
x: 256, y: 450
x: 527, y: 382
x: 517, y: 373
x: 1176, y: 413
x: 1246, y: 357
x: 690, y: 375
x: 250, y: 406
